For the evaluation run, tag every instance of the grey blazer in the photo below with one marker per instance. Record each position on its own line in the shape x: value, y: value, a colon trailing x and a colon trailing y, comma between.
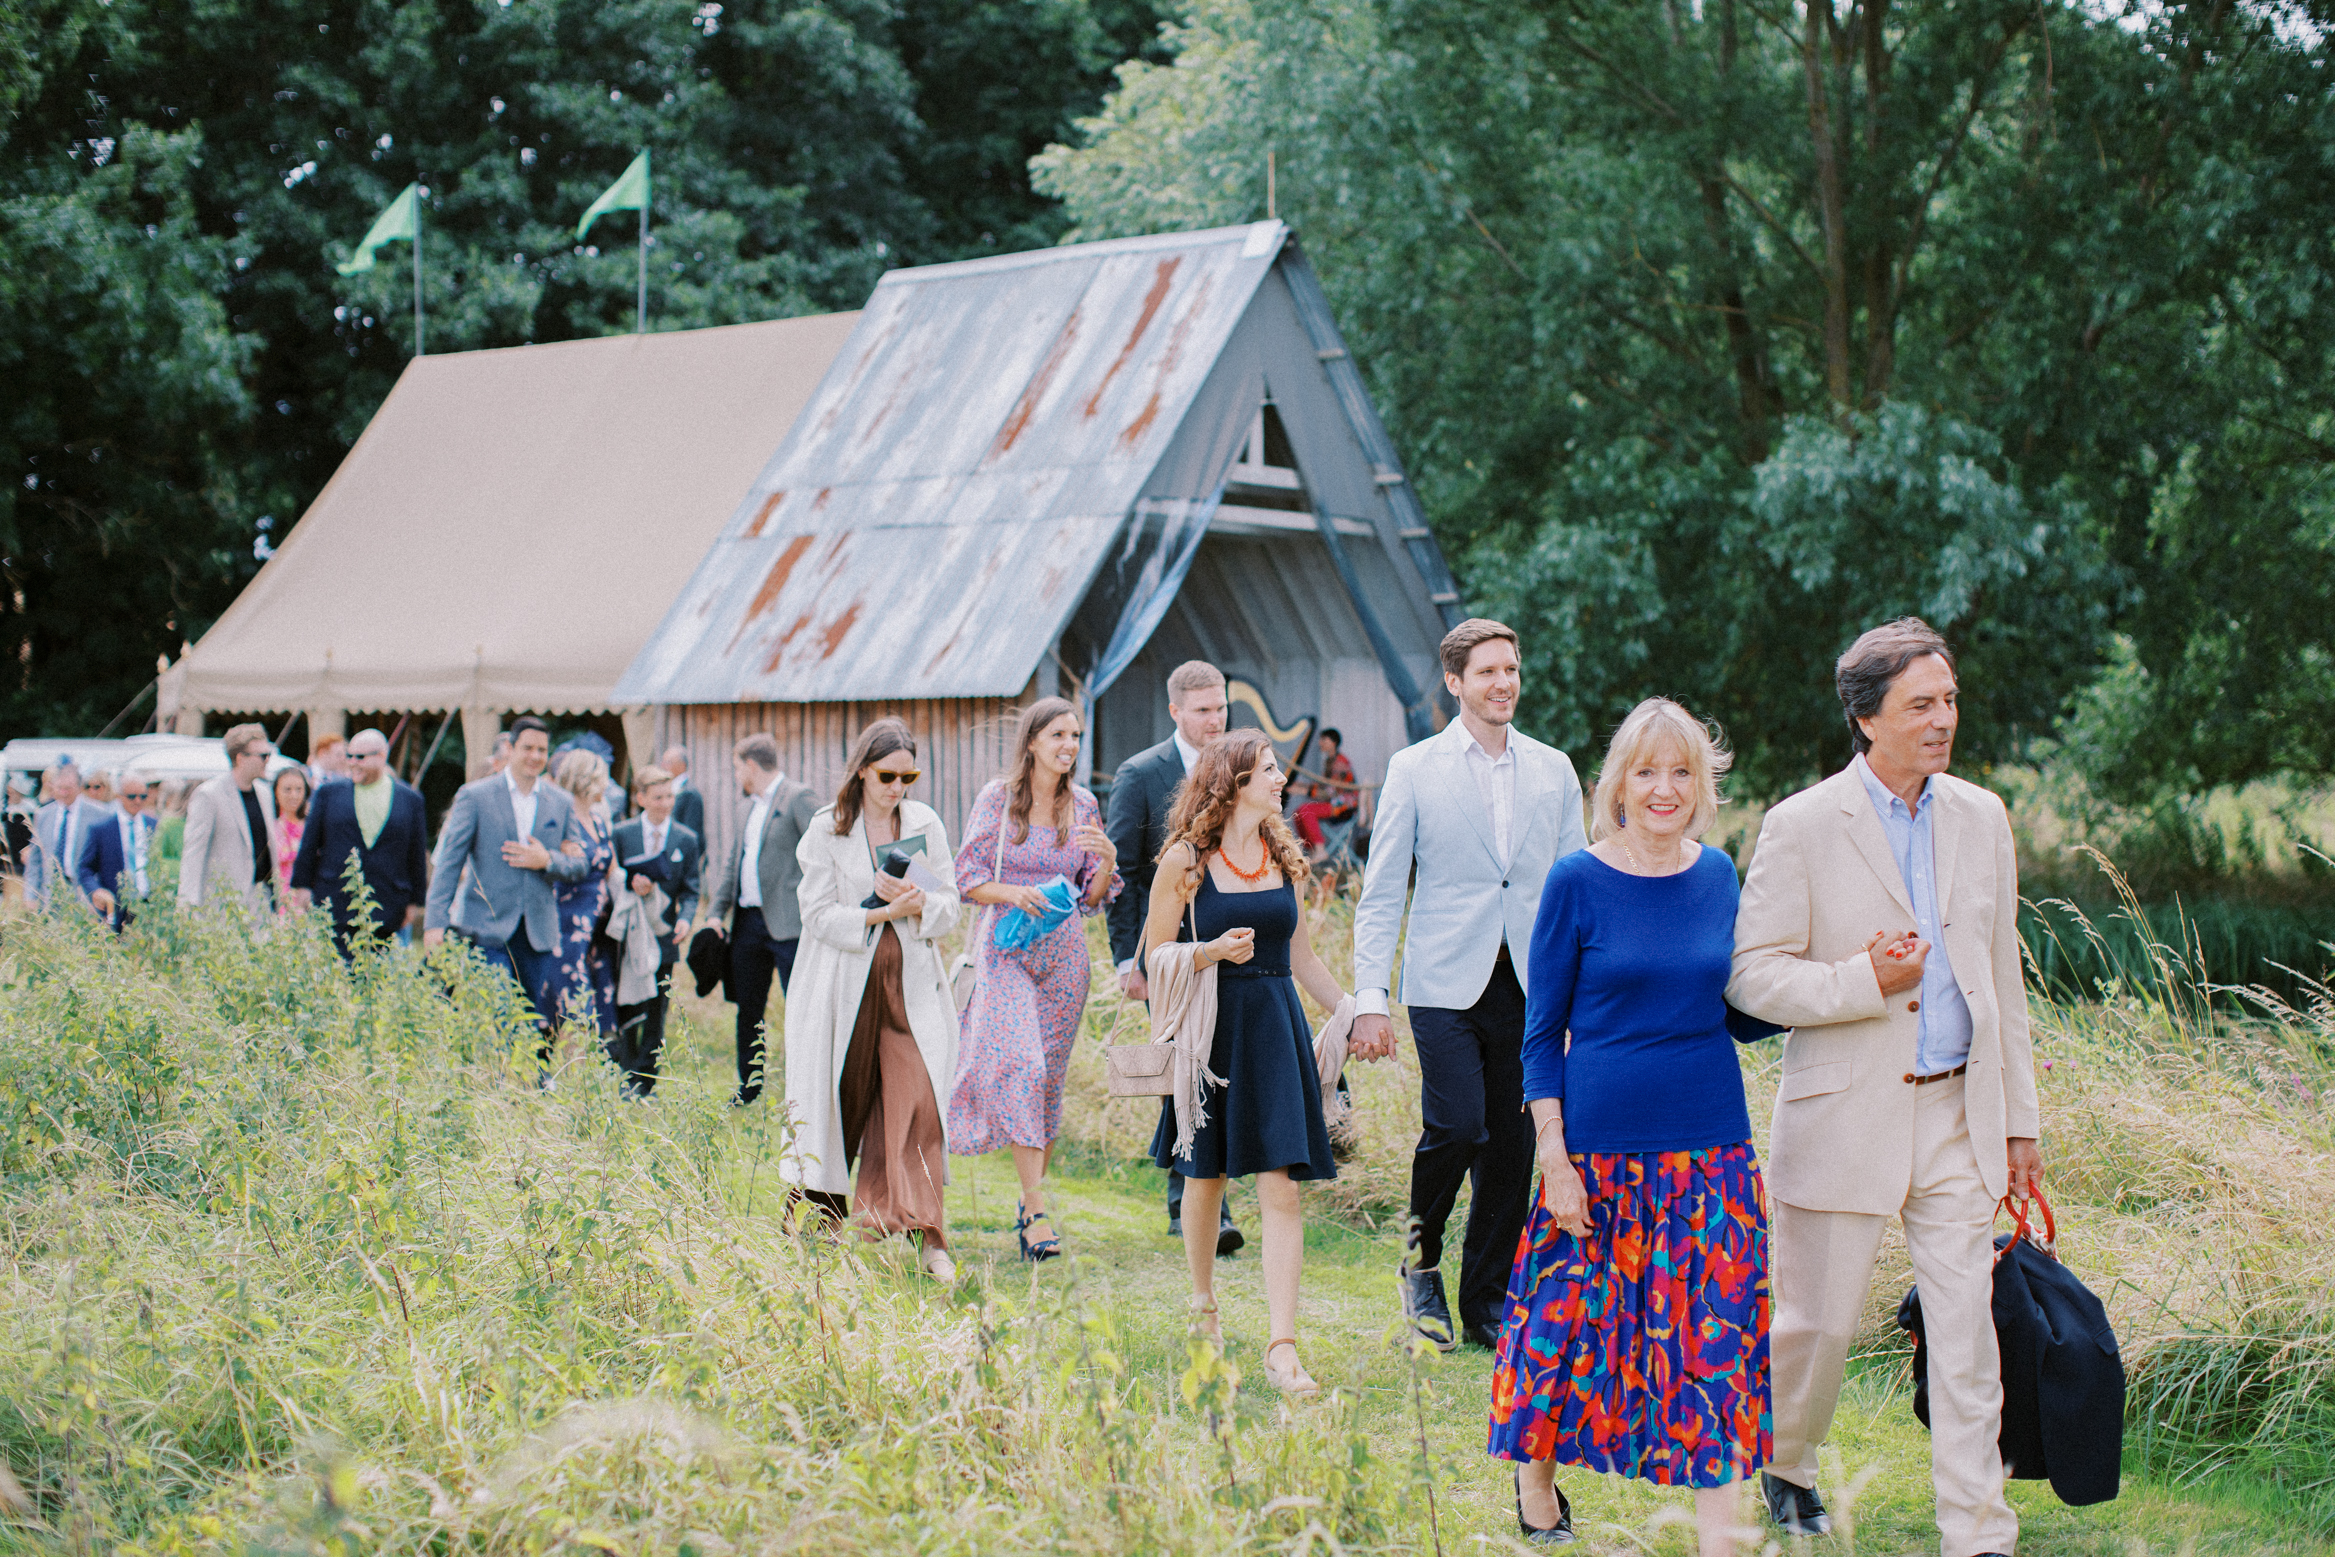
x: 791, y: 810
x: 216, y: 861
x: 496, y: 897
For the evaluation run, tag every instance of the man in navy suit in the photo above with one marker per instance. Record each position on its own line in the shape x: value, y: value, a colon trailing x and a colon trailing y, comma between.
x: 688, y: 801
x: 657, y: 854
x: 112, y: 863
x: 378, y: 818
x: 1142, y: 795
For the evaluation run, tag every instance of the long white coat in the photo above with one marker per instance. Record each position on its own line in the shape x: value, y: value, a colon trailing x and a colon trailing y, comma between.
x: 831, y: 974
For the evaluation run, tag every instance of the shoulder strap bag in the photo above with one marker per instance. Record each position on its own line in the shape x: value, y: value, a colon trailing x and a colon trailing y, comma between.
x: 965, y: 972
x: 1143, y: 1069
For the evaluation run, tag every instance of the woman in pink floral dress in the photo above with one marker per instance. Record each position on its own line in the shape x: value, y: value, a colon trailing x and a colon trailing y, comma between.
x: 1026, y: 828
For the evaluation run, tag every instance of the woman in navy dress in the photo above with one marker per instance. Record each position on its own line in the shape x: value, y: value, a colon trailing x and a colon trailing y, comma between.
x: 587, y: 979
x: 1231, y: 866
x: 1636, y: 1340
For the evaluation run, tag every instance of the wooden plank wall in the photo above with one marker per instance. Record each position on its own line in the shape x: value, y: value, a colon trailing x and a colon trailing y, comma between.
x: 960, y: 746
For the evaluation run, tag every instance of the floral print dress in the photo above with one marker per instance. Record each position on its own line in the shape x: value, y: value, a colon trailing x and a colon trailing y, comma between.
x: 585, y: 973
x: 1026, y: 1004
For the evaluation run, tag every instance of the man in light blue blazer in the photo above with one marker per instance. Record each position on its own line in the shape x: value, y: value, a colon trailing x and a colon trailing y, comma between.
x: 1479, y: 813
x: 507, y: 829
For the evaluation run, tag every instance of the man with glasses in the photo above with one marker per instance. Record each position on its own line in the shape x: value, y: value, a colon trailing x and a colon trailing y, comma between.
x: 227, y: 857
x: 111, y: 868
x: 376, y: 818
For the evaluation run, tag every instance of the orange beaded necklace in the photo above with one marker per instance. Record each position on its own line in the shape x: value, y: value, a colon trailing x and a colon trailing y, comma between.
x: 1264, y: 860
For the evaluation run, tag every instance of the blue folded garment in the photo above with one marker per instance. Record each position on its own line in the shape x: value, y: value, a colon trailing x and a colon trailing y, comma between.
x: 1018, y: 929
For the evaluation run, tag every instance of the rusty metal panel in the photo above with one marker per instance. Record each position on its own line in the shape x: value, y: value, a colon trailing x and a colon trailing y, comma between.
x: 944, y: 500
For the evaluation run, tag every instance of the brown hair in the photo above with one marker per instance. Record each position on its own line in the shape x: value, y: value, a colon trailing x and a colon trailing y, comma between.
x: 1021, y: 795
x: 1191, y: 676
x: 1864, y: 675
x: 294, y: 771
x: 1461, y: 642
x: 759, y: 749
x: 877, y: 741
x: 242, y: 738
x: 1205, y: 800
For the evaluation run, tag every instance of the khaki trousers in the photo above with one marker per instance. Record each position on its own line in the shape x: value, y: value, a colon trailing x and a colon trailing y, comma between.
x: 1823, y: 1271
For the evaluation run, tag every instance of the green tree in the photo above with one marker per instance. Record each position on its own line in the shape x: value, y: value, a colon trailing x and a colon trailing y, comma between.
x: 177, y: 181
x: 1716, y: 332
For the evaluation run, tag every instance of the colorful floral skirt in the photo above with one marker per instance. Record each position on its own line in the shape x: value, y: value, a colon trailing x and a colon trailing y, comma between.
x: 1642, y: 1349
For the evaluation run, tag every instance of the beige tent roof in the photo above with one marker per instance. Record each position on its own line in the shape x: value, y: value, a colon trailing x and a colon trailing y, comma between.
x: 513, y: 524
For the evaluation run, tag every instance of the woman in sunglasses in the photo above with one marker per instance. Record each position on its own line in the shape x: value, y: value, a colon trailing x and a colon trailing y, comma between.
x: 871, y: 1031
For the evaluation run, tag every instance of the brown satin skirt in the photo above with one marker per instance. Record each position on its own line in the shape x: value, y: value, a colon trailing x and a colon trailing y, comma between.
x: 891, y: 1121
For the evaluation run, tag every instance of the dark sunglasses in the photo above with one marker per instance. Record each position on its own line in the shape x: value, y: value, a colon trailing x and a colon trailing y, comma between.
x: 886, y: 776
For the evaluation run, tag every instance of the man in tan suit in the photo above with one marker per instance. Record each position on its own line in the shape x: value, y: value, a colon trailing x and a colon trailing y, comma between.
x: 228, y: 856
x: 1880, y: 923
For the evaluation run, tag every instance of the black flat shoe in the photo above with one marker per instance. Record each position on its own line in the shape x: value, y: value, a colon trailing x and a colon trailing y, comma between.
x: 1558, y: 1534
x: 1426, y: 1308
x: 1229, y: 1238
x: 1796, y: 1510
x: 1484, y: 1333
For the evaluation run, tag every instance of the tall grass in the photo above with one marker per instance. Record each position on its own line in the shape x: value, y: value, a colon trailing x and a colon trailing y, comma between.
x: 301, y: 1260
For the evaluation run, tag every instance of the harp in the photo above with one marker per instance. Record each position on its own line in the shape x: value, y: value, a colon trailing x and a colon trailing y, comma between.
x: 1296, y: 735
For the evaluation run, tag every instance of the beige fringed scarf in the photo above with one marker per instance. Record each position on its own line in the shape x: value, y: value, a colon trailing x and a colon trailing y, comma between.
x: 1183, y: 1012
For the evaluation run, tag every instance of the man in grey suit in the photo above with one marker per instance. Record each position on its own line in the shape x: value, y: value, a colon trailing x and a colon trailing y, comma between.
x: 508, y: 829
x: 1142, y: 795
x: 1480, y: 811
x: 755, y: 891
x: 48, y: 863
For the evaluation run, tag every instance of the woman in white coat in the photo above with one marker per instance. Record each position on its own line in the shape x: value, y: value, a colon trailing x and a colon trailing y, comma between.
x: 871, y: 1031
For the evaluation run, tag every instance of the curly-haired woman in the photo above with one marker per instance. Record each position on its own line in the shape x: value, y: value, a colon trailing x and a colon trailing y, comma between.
x: 1027, y: 828
x: 1233, y: 864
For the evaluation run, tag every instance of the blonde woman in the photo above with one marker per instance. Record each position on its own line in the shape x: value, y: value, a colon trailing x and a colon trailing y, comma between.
x: 1636, y: 1340
x: 871, y: 1030
x: 1228, y: 879
x: 586, y: 975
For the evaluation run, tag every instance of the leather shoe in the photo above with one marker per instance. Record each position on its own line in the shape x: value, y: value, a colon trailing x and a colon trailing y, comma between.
x: 1482, y: 1332
x: 1425, y: 1307
x: 1558, y: 1534
x: 1176, y: 1226
x: 1796, y: 1510
x: 1229, y: 1238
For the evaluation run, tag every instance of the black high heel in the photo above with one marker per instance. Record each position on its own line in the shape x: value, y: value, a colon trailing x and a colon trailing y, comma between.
x: 1558, y: 1534
x: 1044, y: 1247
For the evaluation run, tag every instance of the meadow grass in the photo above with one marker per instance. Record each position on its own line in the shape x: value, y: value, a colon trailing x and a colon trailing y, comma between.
x: 299, y: 1259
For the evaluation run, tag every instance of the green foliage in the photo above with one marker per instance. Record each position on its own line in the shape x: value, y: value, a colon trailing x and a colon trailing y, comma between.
x: 1713, y: 334
x: 176, y: 185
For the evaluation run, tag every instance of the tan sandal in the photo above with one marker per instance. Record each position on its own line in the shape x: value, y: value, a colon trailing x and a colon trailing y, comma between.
x: 1295, y: 1381
x: 1203, y: 1321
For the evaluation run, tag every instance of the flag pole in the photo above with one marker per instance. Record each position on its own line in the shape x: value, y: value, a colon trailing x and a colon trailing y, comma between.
x: 417, y: 277
x: 641, y: 316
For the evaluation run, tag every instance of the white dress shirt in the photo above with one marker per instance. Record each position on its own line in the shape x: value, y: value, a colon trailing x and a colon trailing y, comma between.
x: 522, y: 804
x: 1496, y: 782
x: 136, y: 830
x: 750, y: 861
x: 652, y: 839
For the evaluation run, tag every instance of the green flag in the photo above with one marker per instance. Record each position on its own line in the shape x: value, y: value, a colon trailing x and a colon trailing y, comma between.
x: 403, y: 220
x: 630, y: 192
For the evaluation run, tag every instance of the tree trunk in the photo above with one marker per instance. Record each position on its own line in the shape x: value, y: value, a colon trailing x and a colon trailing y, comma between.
x: 1831, y: 205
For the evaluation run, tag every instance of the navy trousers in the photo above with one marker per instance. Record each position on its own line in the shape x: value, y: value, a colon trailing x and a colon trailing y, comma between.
x: 754, y: 960
x: 1471, y: 1106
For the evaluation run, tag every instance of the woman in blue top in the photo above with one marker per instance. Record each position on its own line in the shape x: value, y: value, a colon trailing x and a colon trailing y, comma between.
x: 1636, y: 1339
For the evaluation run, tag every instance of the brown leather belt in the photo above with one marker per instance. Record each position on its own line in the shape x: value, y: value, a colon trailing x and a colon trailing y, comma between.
x: 1944, y: 1075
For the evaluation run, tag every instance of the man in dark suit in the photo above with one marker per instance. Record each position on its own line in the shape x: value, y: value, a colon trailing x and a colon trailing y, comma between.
x: 112, y: 868
x: 688, y: 801
x: 755, y: 891
x: 1141, y: 797
x: 380, y: 819
x: 657, y: 854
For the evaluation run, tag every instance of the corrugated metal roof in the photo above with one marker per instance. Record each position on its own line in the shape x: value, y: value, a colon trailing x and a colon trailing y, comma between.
x: 938, y: 509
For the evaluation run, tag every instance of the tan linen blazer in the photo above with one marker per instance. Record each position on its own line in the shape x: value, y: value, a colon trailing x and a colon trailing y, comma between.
x: 1822, y: 881
x: 215, y: 861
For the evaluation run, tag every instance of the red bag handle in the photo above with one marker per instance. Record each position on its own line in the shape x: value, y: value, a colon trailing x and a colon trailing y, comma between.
x: 2049, y: 1242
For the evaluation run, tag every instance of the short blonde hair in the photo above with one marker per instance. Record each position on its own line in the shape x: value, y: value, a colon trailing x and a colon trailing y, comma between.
x: 582, y: 774
x: 649, y: 778
x: 1653, y: 724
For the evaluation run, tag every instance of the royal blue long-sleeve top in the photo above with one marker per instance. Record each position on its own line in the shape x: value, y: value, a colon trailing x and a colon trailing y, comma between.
x: 1635, y: 968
